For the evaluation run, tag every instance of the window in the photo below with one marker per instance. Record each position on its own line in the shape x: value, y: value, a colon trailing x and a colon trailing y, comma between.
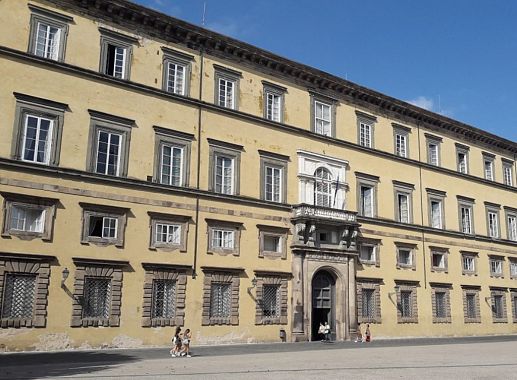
x: 48, y: 33
x: 172, y: 156
x: 492, y: 215
x: 496, y: 266
x: 271, y: 298
x: 273, y: 241
x: 471, y: 307
x: 273, y: 169
x: 462, y: 158
x: 367, y: 254
x: 28, y: 216
x: 97, y: 293
x: 164, y: 295
x: 439, y: 259
x: 403, y: 205
x: 109, y: 144
x: 511, y: 224
x: 368, y: 298
x: 367, y: 194
x: 103, y: 225
x: 322, y: 188
x: 436, y: 213
x: 323, y: 115
x: 407, y: 311
x: 37, y: 130
x: 221, y: 297
x: 116, y: 50
x: 223, y: 237
x: 224, y: 167
x: 468, y: 263
x: 401, y: 140
x: 433, y: 149
x: 176, y: 71
x: 227, y: 87
x: 441, y: 304
x: 488, y: 166
x: 498, y: 298
x: 365, y: 128
x: 366, y: 197
x: 168, y: 232
x: 514, y: 305
x: 465, y: 208
x: 23, y: 290
x: 508, y: 172
x: 513, y: 268
x: 271, y: 301
x: 405, y: 256
x: 274, y: 102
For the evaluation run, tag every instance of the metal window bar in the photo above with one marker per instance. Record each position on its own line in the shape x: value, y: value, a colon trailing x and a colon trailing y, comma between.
x: 97, y: 298
x: 19, y: 295
x: 164, y: 299
x: 440, y: 305
x: 471, y: 305
x: 368, y: 303
x: 220, y: 300
x: 405, y: 304
x: 271, y: 301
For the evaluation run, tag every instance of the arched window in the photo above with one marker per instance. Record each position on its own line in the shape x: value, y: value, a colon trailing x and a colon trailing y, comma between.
x: 322, y: 188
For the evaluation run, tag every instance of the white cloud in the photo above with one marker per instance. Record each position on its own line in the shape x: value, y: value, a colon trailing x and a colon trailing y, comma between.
x: 423, y: 102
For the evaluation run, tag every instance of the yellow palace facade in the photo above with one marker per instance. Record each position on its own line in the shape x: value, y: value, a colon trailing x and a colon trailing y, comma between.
x: 155, y: 174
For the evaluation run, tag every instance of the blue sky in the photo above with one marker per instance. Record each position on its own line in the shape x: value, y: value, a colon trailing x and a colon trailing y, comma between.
x: 455, y: 57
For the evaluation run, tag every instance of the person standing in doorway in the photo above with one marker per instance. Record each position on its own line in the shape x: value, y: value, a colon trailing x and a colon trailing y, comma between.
x: 367, y: 333
x: 327, y: 332
x: 321, y: 332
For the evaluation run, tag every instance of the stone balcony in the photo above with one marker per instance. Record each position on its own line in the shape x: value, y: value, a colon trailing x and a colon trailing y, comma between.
x: 323, y: 214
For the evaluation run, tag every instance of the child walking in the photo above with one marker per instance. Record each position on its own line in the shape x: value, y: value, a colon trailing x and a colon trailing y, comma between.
x: 186, y: 343
x: 176, y: 343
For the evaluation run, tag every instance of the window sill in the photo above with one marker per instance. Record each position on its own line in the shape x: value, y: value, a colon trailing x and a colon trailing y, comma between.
x: 101, y: 242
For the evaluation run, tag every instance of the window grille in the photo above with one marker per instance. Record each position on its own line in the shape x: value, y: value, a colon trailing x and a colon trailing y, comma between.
x: 497, y: 306
x: 513, y: 268
x: 471, y: 305
x: 368, y: 303
x: 164, y: 299
x: 440, y: 304
x: 171, y: 169
x: 271, y: 301
x: 220, y: 300
x: 406, y: 310
x: 514, y: 307
x: 19, y: 294
x: 97, y: 298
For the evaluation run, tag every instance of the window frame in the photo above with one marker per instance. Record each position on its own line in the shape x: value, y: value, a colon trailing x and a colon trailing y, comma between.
x: 406, y: 247
x: 401, y: 287
x: 46, y: 205
x: 443, y: 289
x: 406, y: 190
x: 472, y: 255
x: 222, y: 225
x: 280, y: 232
x: 439, y: 197
x: 110, y: 37
x: 490, y: 159
x: 462, y: 149
x: 331, y: 103
x: 399, y: 130
x: 444, y: 252
x: 275, y: 161
x: 373, y: 243
x: 437, y: 141
x: 369, y: 120
x: 279, y: 280
x: 513, y: 301
x: 366, y: 180
x: 492, y: 209
x: 494, y: 294
x: 492, y: 259
x: 276, y: 90
x: 226, y: 276
x: 96, y: 210
x: 375, y: 286
x: 231, y: 151
x: 511, y: 231
x: 467, y: 203
x: 512, y: 262
x: 508, y: 172
x: 227, y: 74
x: 175, y: 57
x: 53, y: 19
x: 472, y: 291
x: 182, y: 221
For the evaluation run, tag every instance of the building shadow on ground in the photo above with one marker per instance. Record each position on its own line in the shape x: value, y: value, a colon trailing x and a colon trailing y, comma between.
x: 51, y: 365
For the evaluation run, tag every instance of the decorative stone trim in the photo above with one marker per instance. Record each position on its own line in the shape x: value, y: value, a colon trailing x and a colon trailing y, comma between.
x: 226, y: 277
x: 376, y: 244
x: 264, y: 278
x: 213, y: 224
x: 445, y: 289
x: 180, y: 220
x: 95, y: 210
x: 471, y: 290
x: 439, y: 251
x: 163, y: 272
x: 30, y: 265
x: 407, y: 287
x: 495, y: 259
x: 111, y: 270
x: 409, y: 247
x: 474, y: 256
x: 279, y: 232
x: 496, y: 292
x: 376, y: 287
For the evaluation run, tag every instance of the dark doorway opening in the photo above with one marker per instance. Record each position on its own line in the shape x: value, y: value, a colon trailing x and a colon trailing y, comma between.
x: 323, y: 289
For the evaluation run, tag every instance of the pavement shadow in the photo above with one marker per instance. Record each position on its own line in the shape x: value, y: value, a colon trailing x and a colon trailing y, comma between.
x: 54, y: 364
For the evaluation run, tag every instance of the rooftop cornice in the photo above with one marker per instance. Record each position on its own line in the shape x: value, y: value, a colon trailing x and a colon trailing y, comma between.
x: 159, y: 25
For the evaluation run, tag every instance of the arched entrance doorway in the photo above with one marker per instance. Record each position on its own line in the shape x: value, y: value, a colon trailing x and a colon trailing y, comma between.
x: 323, y: 302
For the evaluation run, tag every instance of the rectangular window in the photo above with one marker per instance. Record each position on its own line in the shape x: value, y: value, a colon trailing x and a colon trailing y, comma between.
x: 405, y: 257
x: 171, y: 168
x: 514, y: 307
x: 271, y: 301
x: 433, y: 153
x: 226, y: 93
x: 48, y: 33
x: 164, y: 299
x: 508, y: 174
x: 365, y: 134
x: 272, y: 243
x: 436, y: 214
x: 488, y: 165
x: 440, y: 305
x: 513, y: 269
x: 368, y: 303
x: 220, y: 300
x: 108, y: 153
x: 97, y: 298
x: 273, y: 106
x: 462, y: 162
x: 223, y: 239
x: 466, y: 219
x: 366, y: 194
x: 471, y: 305
x: 116, y: 50
x: 438, y: 260
x: 47, y: 41
x: 168, y: 233
x: 406, y: 306
x: 493, y: 224
x: 469, y: 263
x: 496, y: 267
x: 116, y: 57
x: 498, y: 306
x: 367, y: 254
x: 273, y: 184
x: 103, y: 227
x: 176, y: 78
x: 27, y: 219
x: 401, y: 145
x: 37, y: 139
x: 322, y: 118
x: 224, y: 167
x: 19, y: 296
x: 403, y: 208
x: 512, y: 227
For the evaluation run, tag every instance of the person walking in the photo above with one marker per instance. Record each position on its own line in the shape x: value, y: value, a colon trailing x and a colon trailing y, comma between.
x: 327, y: 332
x: 187, y: 336
x: 367, y: 333
x: 176, y: 343
x: 359, y: 337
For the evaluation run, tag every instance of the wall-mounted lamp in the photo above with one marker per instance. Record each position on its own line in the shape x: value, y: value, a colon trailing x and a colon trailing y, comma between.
x: 64, y: 275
